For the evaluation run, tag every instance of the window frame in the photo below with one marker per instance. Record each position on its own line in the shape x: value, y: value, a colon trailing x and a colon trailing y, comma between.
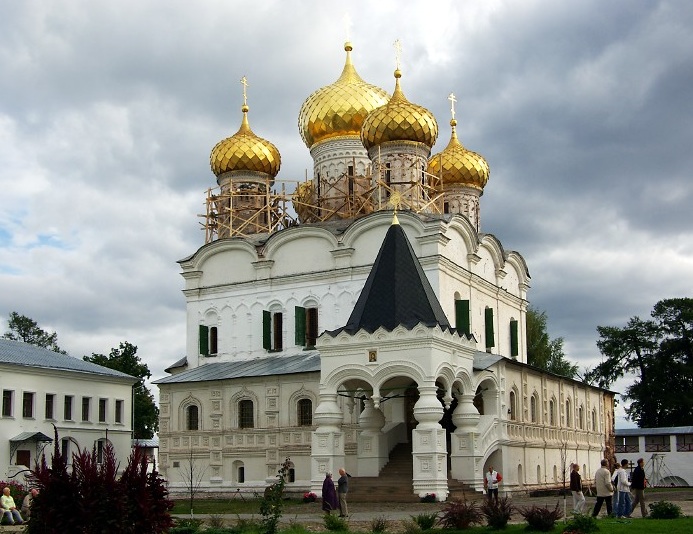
x: 118, y: 415
x: 86, y: 409
x: 7, y: 403
x: 103, y: 410
x: 246, y: 414
x: 192, y: 415
x: 304, y: 412
x: 68, y: 408
x: 28, y: 404
x: 49, y: 407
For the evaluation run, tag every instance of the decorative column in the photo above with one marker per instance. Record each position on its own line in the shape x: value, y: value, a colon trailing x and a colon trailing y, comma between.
x: 428, y: 446
x: 327, y: 446
x: 372, y: 446
x: 464, y: 441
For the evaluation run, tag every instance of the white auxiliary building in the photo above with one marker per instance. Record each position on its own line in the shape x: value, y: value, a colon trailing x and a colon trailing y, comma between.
x: 325, y: 328
x: 43, y: 391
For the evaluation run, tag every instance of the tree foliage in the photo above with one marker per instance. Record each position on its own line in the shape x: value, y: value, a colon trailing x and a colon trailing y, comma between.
x: 659, y: 352
x: 125, y: 359
x: 23, y: 328
x: 544, y: 352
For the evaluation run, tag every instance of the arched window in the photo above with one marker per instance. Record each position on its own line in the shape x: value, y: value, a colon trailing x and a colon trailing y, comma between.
x: 192, y: 418
x: 246, y: 414
x: 533, y: 408
x: 552, y: 413
x: 213, y: 340
x: 305, y: 412
x: 581, y: 418
x: 512, y: 406
x: 594, y: 420
x: 568, y: 414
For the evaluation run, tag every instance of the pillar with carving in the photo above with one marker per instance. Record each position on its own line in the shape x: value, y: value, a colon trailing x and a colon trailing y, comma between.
x: 429, y: 451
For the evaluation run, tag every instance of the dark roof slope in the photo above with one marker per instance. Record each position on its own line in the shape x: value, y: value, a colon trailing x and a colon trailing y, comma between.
x: 396, y: 292
x: 305, y: 362
x: 26, y: 355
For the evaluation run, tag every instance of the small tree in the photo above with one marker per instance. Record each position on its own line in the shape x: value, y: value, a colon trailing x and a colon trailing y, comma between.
x: 271, y: 504
x: 192, y: 475
x: 23, y: 328
x: 564, y: 461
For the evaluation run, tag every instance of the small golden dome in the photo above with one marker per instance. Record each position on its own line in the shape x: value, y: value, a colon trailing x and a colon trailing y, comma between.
x: 245, y: 151
x: 457, y: 165
x: 399, y: 120
x: 339, y: 109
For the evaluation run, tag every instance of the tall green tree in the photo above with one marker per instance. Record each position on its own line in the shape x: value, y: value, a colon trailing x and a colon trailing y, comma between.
x: 125, y: 359
x: 23, y: 328
x: 544, y: 352
x: 659, y: 353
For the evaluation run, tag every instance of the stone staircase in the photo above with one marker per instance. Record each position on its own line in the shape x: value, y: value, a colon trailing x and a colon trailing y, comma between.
x: 394, y: 482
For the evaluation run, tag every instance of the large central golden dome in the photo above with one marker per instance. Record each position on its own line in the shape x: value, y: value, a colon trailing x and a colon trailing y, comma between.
x: 399, y: 120
x: 457, y: 165
x: 338, y: 110
x: 245, y: 151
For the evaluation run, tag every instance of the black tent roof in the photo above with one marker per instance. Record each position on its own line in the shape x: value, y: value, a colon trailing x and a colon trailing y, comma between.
x: 396, y: 292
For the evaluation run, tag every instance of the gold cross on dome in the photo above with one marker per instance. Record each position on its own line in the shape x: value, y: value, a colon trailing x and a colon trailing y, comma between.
x: 452, y: 100
x: 244, y: 83
x: 398, y: 52
x: 395, y: 200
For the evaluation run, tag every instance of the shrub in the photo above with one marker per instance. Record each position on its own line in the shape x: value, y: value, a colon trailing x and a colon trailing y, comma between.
x: 541, y: 518
x: 460, y: 515
x: 215, y: 521
x: 188, y: 523
x: 82, y: 500
x: 497, y: 513
x: 17, y: 491
x: 429, y: 497
x: 379, y: 524
x: 664, y: 510
x: 183, y: 530
x: 581, y: 524
x: 335, y: 523
x: 410, y: 526
x: 425, y: 521
x: 271, y: 504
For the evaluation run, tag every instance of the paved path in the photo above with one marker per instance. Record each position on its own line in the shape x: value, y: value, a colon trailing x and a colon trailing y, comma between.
x: 361, y: 514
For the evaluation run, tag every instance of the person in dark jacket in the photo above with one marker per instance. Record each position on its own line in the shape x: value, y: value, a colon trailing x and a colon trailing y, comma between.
x: 342, y: 490
x: 576, y: 489
x: 637, y: 484
x: 329, y: 494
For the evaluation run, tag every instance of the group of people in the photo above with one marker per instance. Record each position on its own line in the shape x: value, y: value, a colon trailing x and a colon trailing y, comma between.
x: 333, y: 499
x: 608, y: 485
x: 10, y: 513
x: 617, y: 485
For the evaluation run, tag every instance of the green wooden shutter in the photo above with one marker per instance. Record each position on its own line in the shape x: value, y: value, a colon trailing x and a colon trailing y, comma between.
x: 266, y: 330
x: 300, y: 330
x: 513, y: 339
x: 204, y: 340
x: 462, y: 316
x: 489, y: 328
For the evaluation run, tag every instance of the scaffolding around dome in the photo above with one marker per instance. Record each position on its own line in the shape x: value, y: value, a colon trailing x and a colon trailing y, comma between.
x: 264, y: 208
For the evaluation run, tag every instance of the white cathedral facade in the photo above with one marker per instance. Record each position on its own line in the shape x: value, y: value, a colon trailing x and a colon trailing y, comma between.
x: 374, y: 314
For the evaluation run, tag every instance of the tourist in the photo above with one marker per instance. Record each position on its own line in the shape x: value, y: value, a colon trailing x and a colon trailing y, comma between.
x: 637, y: 484
x: 342, y: 489
x: 9, y: 508
x: 576, y: 489
x: 27, y: 502
x: 329, y: 494
x: 491, y: 480
x: 623, y: 507
x: 602, y: 482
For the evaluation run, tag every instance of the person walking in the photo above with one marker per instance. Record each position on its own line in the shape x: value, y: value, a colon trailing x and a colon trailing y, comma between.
x: 602, y: 482
x: 342, y: 490
x: 329, y: 494
x: 576, y: 490
x: 623, y: 507
x: 637, y: 484
x: 491, y: 480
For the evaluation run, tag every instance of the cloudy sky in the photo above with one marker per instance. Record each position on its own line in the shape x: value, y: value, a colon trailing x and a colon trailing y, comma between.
x: 109, y: 110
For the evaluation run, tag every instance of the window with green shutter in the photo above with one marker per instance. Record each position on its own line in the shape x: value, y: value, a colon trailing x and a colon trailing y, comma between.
x: 204, y: 340
x: 266, y: 330
x: 514, y: 346
x: 300, y: 326
x: 488, y: 314
x: 462, y: 316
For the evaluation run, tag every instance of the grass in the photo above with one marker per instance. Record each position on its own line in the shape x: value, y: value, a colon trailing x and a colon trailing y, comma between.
x: 606, y: 526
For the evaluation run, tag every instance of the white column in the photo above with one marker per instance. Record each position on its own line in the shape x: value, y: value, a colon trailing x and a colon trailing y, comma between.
x: 428, y: 446
x: 372, y: 446
x: 327, y: 447
x: 464, y: 440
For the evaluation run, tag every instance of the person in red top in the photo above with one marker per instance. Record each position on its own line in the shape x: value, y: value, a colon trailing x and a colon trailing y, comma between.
x: 491, y: 481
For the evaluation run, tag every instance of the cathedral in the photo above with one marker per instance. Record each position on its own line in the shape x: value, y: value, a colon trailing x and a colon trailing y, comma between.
x: 362, y: 315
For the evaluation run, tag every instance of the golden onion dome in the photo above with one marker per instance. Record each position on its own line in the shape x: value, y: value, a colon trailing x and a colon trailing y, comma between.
x: 338, y: 110
x: 457, y: 165
x: 399, y: 120
x: 245, y: 151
